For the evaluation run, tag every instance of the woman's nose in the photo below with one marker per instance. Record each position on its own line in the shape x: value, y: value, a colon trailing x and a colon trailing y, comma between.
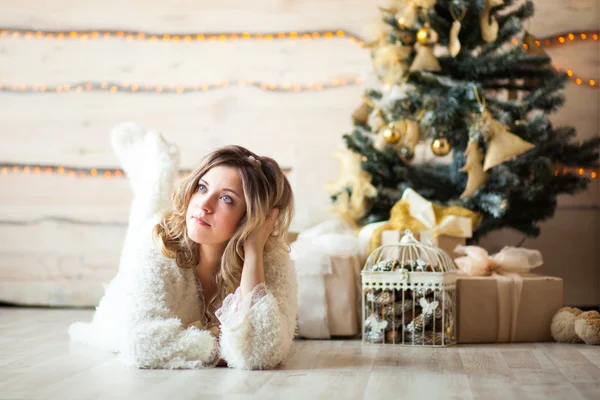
x: 206, y: 205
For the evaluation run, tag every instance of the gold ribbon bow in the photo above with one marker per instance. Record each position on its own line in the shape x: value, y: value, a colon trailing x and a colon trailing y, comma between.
x: 448, y: 224
x: 507, y: 267
x: 415, y: 213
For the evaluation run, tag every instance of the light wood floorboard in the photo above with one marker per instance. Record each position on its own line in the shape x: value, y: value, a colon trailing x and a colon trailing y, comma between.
x: 37, y: 361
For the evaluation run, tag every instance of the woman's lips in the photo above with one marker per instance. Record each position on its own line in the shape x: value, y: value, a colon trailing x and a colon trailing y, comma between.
x: 200, y: 221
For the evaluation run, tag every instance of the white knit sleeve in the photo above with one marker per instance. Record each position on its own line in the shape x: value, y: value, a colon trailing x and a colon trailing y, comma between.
x: 156, y: 336
x: 257, y: 330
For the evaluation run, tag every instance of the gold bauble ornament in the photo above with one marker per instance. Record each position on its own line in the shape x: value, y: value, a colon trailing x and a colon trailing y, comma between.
x: 441, y: 146
x: 426, y: 35
x: 392, y: 135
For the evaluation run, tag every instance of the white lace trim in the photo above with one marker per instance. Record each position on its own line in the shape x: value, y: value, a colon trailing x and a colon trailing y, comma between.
x: 235, y: 307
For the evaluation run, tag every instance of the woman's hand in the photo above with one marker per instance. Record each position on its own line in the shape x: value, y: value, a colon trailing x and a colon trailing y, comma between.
x: 255, y: 243
x: 253, y: 271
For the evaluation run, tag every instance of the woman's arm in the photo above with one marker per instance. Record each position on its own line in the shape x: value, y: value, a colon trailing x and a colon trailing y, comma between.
x: 257, y: 329
x: 154, y: 335
x: 253, y: 271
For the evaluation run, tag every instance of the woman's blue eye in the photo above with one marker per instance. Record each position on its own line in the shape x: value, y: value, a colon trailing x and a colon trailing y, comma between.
x: 227, y: 199
x: 202, y: 187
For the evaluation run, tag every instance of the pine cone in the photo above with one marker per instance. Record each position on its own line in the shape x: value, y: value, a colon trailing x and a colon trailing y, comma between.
x: 420, y: 322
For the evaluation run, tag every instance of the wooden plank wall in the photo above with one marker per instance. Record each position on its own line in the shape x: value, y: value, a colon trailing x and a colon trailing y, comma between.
x: 60, y: 237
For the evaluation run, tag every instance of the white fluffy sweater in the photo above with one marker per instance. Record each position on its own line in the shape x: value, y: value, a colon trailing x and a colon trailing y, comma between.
x: 152, y: 312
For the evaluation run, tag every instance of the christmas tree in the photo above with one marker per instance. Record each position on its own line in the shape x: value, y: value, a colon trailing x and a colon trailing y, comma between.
x: 464, y: 79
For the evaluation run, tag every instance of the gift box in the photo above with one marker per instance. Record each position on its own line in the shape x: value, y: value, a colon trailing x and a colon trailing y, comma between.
x: 500, y: 300
x: 328, y: 301
x: 342, y: 288
x: 488, y: 311
x: 444, y: 242
x: 328, y: 267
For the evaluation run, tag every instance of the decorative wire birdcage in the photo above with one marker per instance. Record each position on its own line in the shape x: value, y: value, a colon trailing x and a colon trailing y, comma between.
x: 409, y: 295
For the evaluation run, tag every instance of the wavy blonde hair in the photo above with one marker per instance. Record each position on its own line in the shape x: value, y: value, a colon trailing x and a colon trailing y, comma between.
x: 265, y: 187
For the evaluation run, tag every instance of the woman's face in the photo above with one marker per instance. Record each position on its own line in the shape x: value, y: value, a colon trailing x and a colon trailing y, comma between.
x: 217, y: 206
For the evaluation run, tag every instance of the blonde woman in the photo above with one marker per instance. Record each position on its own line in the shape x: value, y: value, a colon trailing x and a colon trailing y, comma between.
x: 204, y: 277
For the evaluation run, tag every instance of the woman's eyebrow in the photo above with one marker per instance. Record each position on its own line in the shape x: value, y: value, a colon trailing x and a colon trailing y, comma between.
x: 225, y: 189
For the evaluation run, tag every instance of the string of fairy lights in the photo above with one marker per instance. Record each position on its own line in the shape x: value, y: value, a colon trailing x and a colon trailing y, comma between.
x: 558, y: 40
x: 77, y: 172
x: 83, y: 172
x: 117, y: 87
x: 549, y: 41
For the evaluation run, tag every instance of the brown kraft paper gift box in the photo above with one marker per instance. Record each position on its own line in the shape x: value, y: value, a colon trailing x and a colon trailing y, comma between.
x: 342, y: 290
x: 480, y: 312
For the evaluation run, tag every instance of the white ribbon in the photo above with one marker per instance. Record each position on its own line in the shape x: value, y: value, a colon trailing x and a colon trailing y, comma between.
x: 422, y: 210
x: 478, y: 262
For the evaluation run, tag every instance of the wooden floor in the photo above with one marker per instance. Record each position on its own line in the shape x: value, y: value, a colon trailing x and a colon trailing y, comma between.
x: 37, y: 361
